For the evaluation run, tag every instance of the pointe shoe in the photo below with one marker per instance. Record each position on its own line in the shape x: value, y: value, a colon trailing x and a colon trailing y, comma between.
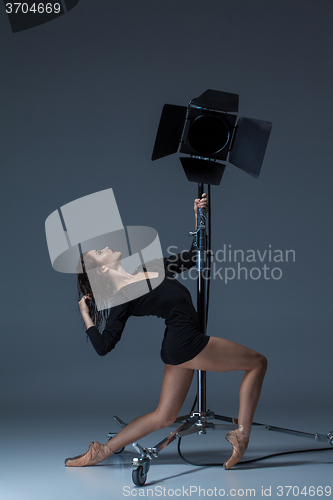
x: 239, y: 441
x: 96, y: 453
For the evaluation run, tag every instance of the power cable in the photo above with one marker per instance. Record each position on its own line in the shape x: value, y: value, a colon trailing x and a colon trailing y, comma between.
x: 248, y: 461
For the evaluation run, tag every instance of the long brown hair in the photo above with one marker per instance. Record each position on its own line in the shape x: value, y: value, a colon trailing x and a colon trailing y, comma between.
x: 105, y: 287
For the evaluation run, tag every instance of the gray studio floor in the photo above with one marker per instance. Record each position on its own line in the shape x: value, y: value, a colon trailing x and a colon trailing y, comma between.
x: 33, y: 449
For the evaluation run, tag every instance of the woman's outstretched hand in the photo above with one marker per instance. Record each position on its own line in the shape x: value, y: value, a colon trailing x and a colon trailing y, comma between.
x: 200, y: 203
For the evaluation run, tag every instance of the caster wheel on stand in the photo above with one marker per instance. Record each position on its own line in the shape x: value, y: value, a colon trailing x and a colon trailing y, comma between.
x: 138, y: 478
x: 141, y: 467
x: 330, y: 437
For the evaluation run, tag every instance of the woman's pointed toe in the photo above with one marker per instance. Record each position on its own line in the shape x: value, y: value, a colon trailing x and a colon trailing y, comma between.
x: 239, y: 443
x: 85, y: 458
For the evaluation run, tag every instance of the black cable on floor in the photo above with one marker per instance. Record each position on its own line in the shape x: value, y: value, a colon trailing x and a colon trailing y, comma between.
x: 248, y: 461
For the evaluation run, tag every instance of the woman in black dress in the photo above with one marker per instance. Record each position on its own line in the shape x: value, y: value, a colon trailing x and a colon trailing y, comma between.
x: 184, y: 349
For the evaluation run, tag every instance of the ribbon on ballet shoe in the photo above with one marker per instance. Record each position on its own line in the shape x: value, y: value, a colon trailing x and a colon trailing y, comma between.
x: 244, y: 430
x: 111, y: 451
x: 102, y: 452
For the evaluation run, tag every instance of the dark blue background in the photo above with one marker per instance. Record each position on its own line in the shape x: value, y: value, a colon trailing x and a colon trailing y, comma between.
x: 81, y: 98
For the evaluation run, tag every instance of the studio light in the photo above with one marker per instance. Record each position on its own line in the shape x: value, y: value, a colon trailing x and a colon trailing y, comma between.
x: 207, y: 130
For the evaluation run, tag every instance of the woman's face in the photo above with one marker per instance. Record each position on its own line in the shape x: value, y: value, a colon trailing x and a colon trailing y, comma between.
x: 105, y: 256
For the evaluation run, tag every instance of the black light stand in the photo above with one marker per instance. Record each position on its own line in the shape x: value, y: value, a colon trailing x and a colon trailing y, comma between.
x: 207, y: 132
x: 201, y: 242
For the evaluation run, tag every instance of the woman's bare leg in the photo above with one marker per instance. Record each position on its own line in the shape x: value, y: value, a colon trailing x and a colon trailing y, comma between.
x: 175, y: 386
x: 219, y: 355
x: 223, y: 355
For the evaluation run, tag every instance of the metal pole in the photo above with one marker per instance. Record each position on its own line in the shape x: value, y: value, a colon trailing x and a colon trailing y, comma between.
x: 201, y: 294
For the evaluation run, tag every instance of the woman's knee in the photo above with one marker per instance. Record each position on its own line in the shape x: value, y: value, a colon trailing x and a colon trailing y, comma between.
x: 261, y: 362
x: 164, y: 419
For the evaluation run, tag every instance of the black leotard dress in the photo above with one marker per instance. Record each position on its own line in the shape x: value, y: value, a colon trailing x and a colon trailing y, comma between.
x: 170, y: 300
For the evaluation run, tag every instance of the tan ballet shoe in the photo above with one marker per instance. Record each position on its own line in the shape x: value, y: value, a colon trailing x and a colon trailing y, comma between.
x: 96, y: 453
x: 239, y: 441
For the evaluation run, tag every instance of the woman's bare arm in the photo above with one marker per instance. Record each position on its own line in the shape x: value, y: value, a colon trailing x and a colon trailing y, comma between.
x: 85, y: 311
